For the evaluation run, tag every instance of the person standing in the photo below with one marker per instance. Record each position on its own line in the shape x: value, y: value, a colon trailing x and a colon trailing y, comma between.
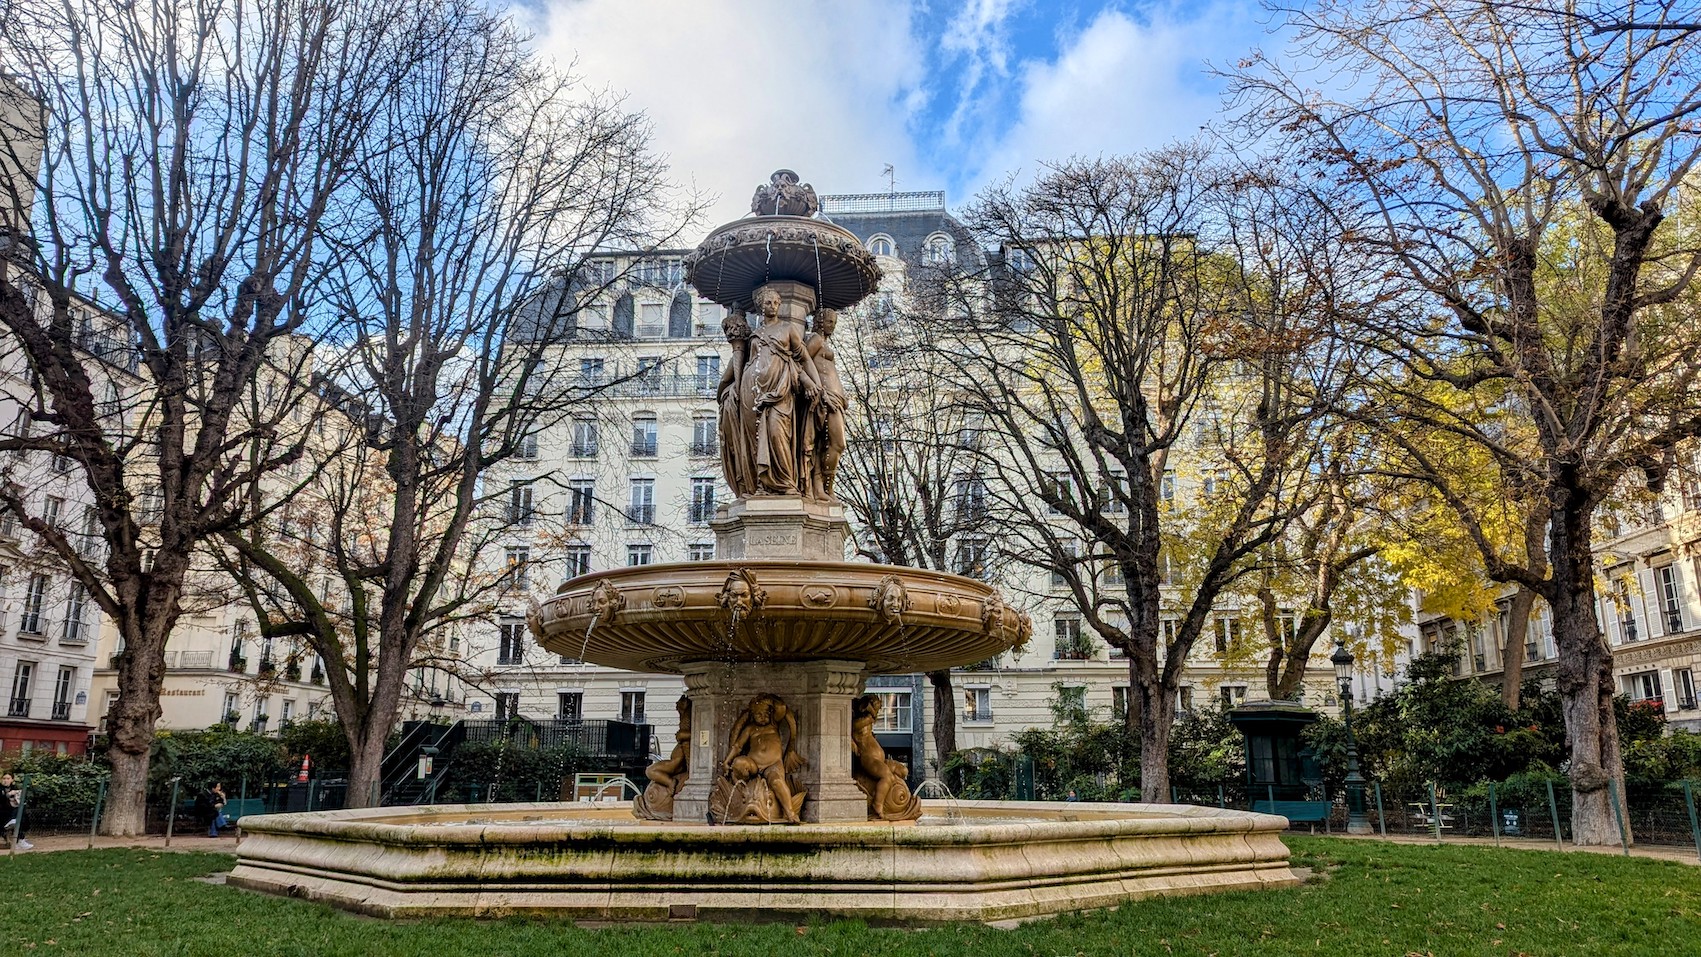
x: 13, y: 799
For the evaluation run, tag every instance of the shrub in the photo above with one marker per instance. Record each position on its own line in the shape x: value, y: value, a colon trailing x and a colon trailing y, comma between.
x: 216, y: 755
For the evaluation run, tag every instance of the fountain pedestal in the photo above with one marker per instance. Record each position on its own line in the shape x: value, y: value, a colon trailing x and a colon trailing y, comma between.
x: 819, y: 695
x: 787, y: 527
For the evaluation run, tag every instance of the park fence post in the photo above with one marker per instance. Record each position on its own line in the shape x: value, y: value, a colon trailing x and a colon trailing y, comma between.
x: 1694, y: 824
x: 1618, y: 812
x: 1434, y: 813
x: 1272, y: 799
x: 171, y: 809
x: 1494, y: 813
x: 94, y: 820
x: 1381, y: 816
x: 1553, y: 808
x: 1174, y: 794
x: 1223, y: 802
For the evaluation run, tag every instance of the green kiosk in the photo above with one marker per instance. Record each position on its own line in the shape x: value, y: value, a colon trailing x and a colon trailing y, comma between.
x: 1281, y: 774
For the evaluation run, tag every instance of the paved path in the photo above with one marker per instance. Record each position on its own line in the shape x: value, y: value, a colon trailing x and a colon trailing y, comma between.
x: 1664, y: 852
x: 192, y: 841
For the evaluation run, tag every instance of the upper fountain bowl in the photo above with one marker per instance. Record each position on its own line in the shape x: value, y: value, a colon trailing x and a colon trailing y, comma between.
x: 746, y: 254
x: 657, y: 618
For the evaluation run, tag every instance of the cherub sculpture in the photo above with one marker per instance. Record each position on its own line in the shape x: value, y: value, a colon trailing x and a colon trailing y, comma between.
x: 879, y: 777
x: 667, y: 776
x: 755, y: 786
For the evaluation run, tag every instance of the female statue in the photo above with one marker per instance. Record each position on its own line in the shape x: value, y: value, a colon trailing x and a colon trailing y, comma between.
x: 824, y: 432
x: 735, y: 445
x: 778, y: 361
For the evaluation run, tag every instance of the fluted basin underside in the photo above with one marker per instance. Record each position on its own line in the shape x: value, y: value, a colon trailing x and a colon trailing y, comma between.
x: 657, y: 618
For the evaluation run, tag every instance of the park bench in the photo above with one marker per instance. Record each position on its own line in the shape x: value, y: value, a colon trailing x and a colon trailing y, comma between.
x: 1297, y: 812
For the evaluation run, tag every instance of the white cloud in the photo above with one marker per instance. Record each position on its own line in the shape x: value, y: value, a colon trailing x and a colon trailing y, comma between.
x: 1117, y: 87
x: 738, y: 88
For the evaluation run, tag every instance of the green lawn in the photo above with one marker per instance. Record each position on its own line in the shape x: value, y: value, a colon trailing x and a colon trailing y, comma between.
x: 1368, y: 898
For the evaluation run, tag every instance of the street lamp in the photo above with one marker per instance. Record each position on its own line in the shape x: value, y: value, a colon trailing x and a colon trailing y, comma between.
x: 1357, y: 821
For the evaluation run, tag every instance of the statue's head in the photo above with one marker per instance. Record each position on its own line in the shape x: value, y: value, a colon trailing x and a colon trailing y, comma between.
x: 741, y: 595
x: 683, y: 706
x: 736, y: 325
x: 826, y: 320
x: 768, y: 302
x: 890, y: 598
x: 869, y: 704
x: 766, y: 708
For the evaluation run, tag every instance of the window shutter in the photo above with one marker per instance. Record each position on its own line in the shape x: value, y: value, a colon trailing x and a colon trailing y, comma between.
x: 1668, y: 690
x: 1647, y: 606
x: 1686, y: 573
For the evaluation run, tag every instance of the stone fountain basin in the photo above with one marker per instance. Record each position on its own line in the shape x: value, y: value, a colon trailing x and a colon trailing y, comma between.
x: 964, y: 861
x: 815, y: 611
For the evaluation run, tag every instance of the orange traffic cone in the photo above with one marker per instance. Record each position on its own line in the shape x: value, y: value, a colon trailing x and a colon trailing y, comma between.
x: 306, y: 763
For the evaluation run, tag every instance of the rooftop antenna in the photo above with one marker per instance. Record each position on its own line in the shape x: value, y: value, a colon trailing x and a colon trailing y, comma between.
x: 891, y: 175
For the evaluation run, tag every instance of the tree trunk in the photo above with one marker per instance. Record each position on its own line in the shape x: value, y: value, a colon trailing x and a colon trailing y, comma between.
x: 136, y: 713
x: 366, y: 759
x: 1156, y: 709
x: 1512, y: 655
x: 1585, y: 680
x: 944, y: 715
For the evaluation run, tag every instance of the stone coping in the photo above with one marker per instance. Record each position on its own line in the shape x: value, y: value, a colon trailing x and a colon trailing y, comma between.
x: 983, y: 867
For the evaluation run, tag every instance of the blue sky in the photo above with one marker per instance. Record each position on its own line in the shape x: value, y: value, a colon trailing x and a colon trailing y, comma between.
x: 952, y: 93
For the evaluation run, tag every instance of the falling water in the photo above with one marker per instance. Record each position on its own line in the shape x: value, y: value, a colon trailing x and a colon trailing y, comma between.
x: 585, y: 646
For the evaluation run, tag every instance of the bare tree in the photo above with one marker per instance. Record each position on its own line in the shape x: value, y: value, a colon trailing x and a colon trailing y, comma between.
x: 1107, y: 341
x: 910, y: 473
x: 485, y: 182
x: 189, y: 155
x: 1516, y: 168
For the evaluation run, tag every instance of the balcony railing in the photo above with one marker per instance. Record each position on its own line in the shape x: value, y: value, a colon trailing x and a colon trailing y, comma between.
x: 76, y: 632
x: 977, y: 716
x: 19, y: 708
x: 641, y: 515
x: 61, y: 710
x: 195, y: 660
x: 33, y: 623
x: 700, y: 512
x: 238, y: 663
x: 597, y: 738
x: 1072, y: 651
x: 644, y: 449
x: 583, y: 450
x: 705, y: 450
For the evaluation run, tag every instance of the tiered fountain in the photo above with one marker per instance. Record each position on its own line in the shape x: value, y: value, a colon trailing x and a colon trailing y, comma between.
x: 777, y: 800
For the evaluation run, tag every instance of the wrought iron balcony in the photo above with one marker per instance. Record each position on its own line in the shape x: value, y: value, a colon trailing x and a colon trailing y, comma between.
x: 61, y: 710
x: 19, y: 708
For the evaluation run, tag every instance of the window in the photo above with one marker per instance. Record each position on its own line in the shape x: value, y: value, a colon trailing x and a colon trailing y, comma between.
x: 62, y: 463
x: 641, y: 510
x: 894, y: 710
x: 1113, y: 576
x: 584, y: 444
x: 1184, y: 698
x: 520, y: 502
x: 1119, y: 702
x: 594, y: 318
x: 1072, y: 703
x: 644, y: 436
x: 76, y: 607
x: 709, y: 316
x: 230, y: 708
x: 1626, y: 616
x: 570, y: 705
x: 971, y: 498
x: 708, y: 374
x: 1071, y: 645
x: 971, y: 433
x: 1233, y: 696
x: 880, y: 245
x: 581, y: 501
x: 1166, y: 631
x: 35, y: 597
x: 649, y: 374
x: 1059, y: 493
x: 1683, y: 681
x: 52, y: 509
x: 526, y: 448
x: 702, y: 500
x: 511, y: 642
x: 1228, y: 634
x: 578, y: 560
x: 977, y: 704
x: 519, y: 567
x: 1669, y: 593
x: 1215, y: 482
x: 632, y: 707
x: 640, y: 555
x: 591, y: 371
x: 507, y: 705
x: 1645, y: 688
x: 238, y: 654
x: 1060, y: 574
x: 700, y: 552
x: 62, y: 689
x: 971, y: 557
x: 705, y: 437
x: 651, y: 322
x: 1112, y: 493
x: 940, y: 250
x: 20, y: 703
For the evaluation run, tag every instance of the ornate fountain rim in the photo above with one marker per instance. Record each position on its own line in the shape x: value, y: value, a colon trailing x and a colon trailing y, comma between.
x: 659, y: 618
x: 735, y: 259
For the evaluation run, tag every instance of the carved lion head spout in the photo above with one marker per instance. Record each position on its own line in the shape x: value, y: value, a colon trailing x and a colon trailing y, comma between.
x: 741, y: 595
x: 606, y: 601
x: 890, y: 599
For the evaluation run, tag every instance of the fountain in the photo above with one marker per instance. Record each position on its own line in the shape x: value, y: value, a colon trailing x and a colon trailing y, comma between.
x: 776, y: 799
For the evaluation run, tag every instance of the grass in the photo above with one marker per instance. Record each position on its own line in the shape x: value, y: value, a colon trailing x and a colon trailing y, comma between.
x: 1368, y: 898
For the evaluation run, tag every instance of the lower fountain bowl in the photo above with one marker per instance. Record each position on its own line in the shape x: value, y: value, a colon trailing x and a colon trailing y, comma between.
x: 964, y: 861
x: 656, y: 618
